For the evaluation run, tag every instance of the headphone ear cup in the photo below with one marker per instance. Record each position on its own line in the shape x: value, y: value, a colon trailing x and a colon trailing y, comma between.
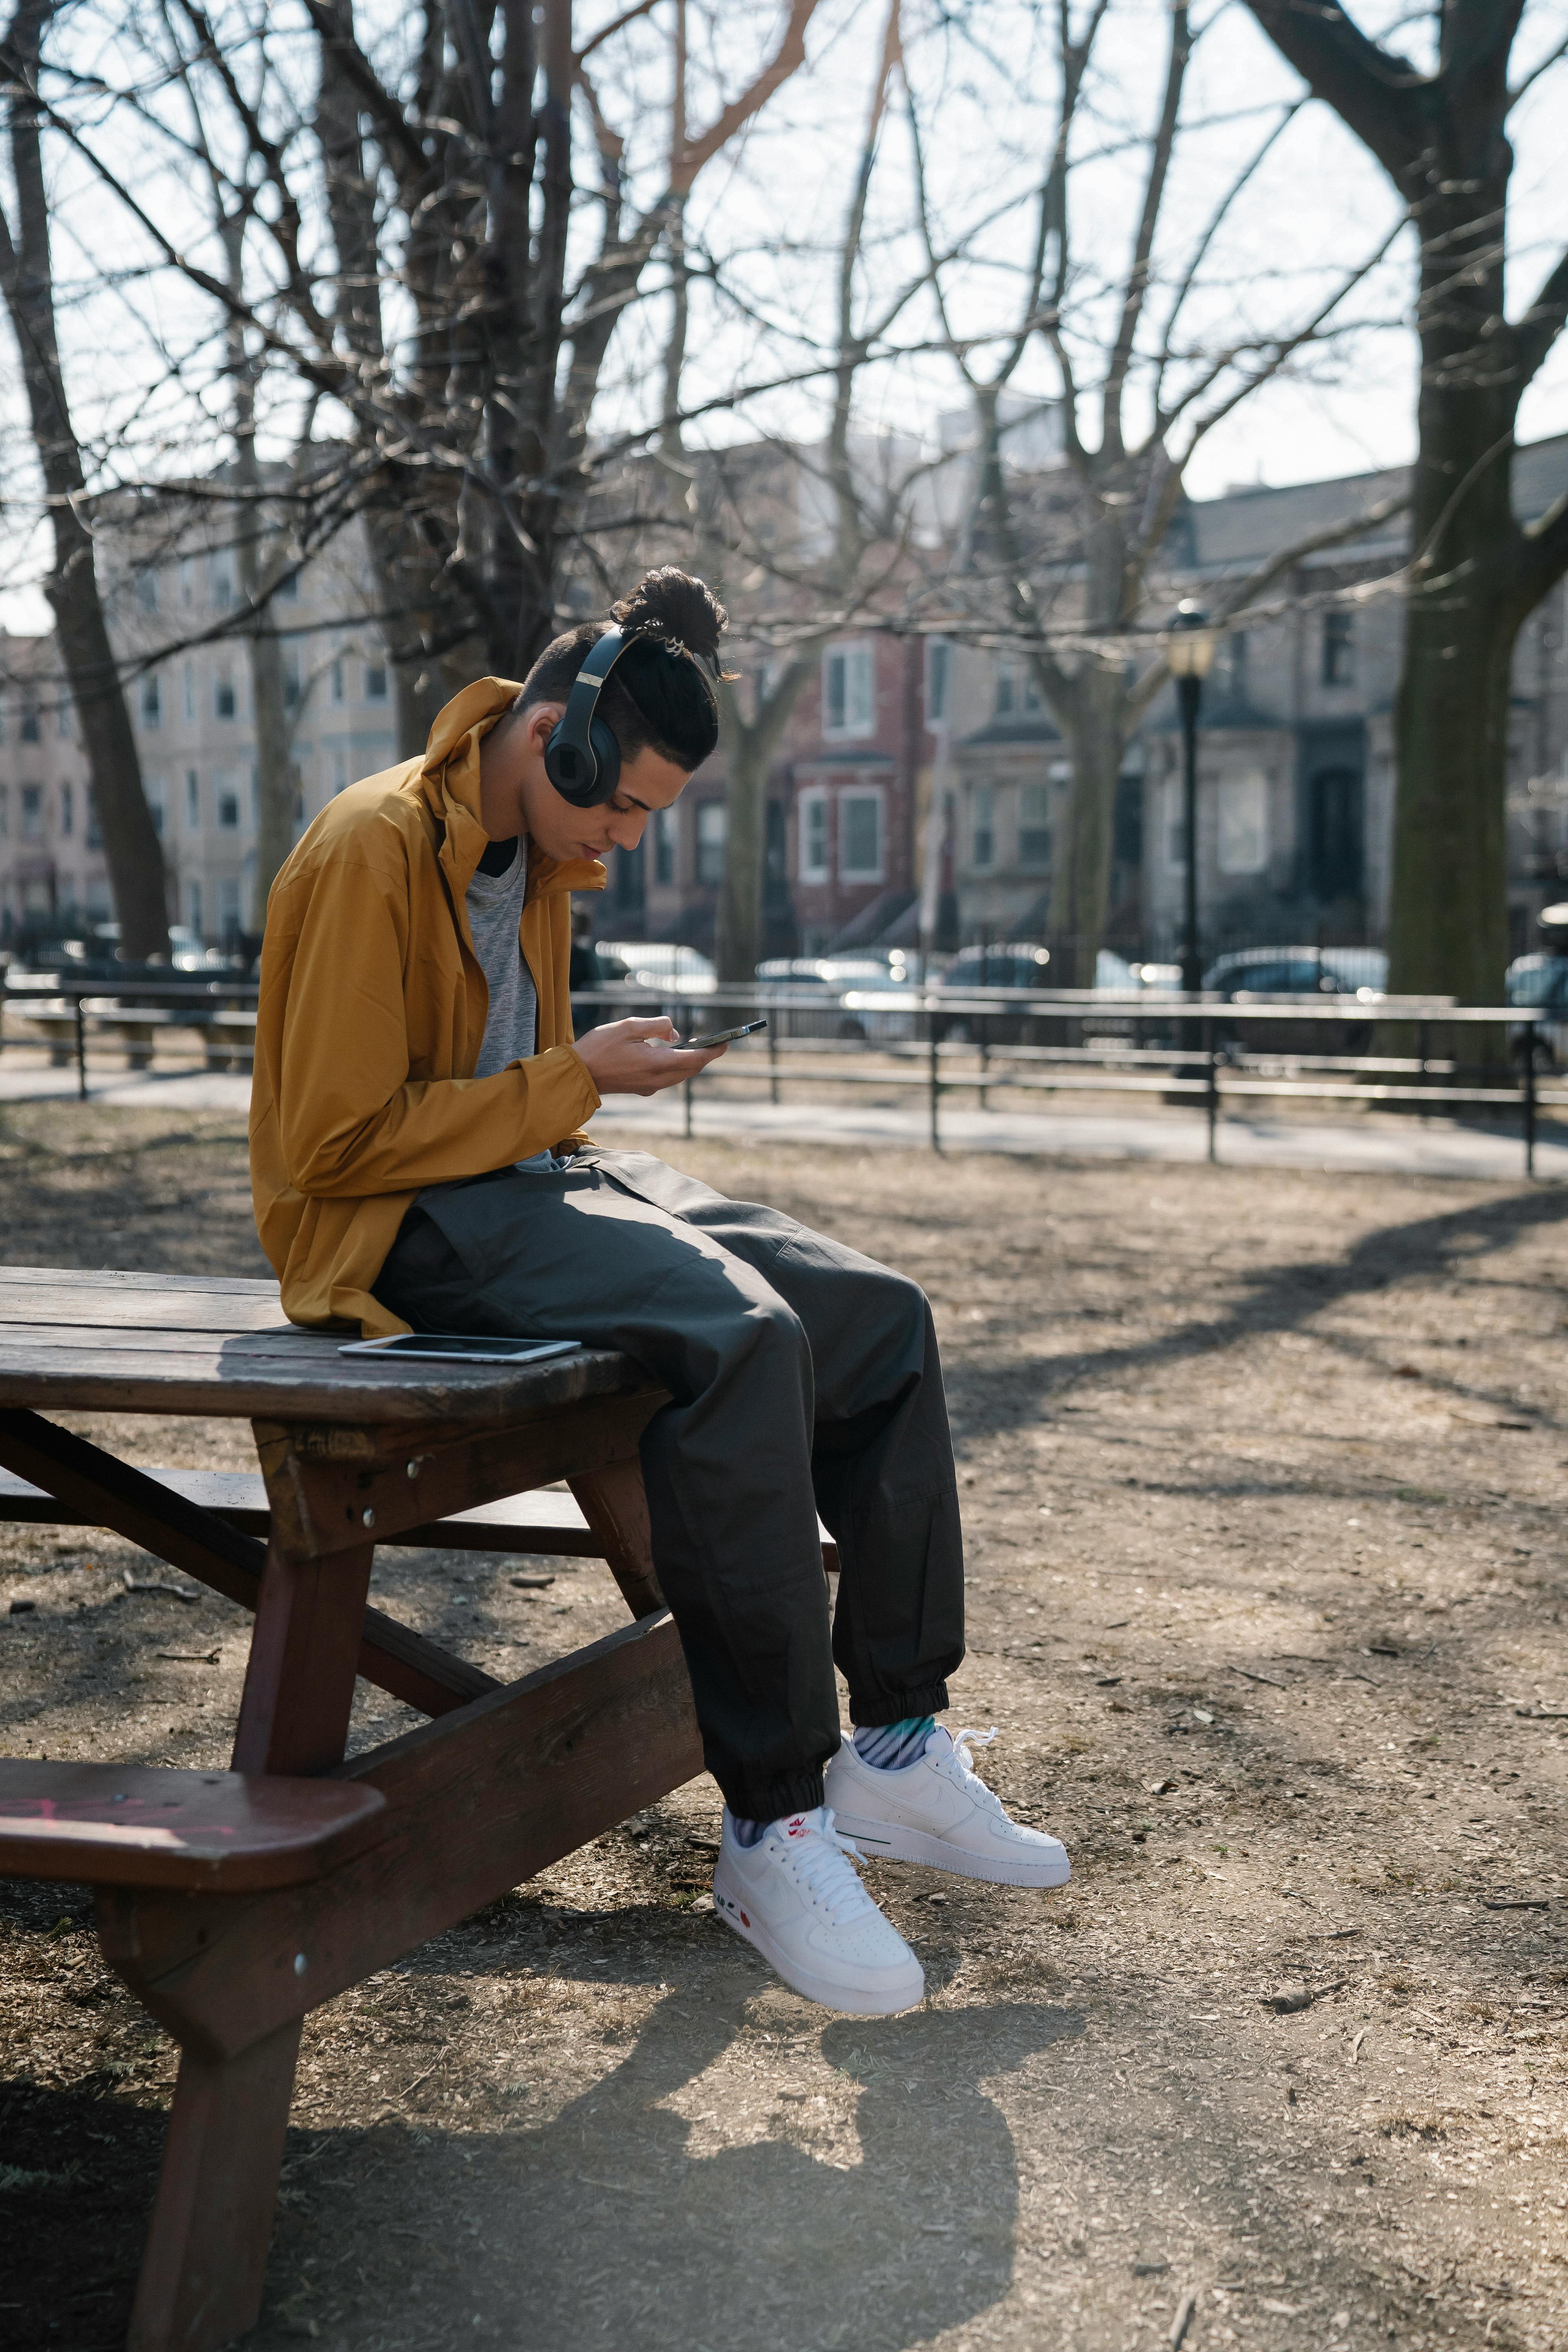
x: 568, y: 770
x: 607, y: 752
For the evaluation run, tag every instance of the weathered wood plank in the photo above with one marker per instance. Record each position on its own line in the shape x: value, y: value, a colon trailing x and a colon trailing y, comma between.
x: 111, y: 1279
x: 54, y: 1305
x: 478, y: 1801
x: 539, y: 1521
x: 262, y: 1375
x: 155, y: 1825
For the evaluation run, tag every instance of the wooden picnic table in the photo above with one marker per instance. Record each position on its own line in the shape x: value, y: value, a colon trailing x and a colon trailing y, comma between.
x: 231, y: 1904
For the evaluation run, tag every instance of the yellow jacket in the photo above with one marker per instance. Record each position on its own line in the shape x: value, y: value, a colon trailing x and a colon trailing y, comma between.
x: 371, y: 1017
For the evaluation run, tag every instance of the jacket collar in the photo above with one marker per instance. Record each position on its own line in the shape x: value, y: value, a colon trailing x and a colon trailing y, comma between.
x: 448, y: 780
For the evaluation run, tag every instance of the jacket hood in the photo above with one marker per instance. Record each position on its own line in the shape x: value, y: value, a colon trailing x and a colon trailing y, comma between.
x: 448, y: 779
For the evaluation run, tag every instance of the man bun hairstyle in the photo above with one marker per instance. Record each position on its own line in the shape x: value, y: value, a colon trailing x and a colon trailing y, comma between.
x: 663, y: 692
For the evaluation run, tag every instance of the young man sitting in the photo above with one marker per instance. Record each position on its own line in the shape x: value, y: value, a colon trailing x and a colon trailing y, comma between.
x: 417, y: 1161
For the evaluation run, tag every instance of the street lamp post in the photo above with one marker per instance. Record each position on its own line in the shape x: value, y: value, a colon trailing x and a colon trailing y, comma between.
x: 1189, y: 656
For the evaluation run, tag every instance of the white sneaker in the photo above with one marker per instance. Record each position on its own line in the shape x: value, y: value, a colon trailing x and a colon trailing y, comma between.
x: 940, y: 1811
x: 796, y: 1897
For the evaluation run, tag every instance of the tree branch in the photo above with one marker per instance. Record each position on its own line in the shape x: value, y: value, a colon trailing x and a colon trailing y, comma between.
x: 1370, y: 88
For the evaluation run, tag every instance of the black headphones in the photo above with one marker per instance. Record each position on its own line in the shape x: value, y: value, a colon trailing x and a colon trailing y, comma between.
x: 582, y: 759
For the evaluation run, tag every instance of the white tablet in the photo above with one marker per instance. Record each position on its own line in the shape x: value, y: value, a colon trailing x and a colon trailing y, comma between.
x: 459, y: 1348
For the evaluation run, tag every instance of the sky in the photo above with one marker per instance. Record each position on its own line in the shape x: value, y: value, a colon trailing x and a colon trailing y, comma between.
x: 976, y: 108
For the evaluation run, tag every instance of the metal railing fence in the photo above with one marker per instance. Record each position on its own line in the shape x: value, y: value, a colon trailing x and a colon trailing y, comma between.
x: 1020, y: 1041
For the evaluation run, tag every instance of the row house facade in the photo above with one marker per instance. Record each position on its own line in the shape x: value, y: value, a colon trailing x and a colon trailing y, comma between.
x: 1295, y: 764
x: 192, y: 710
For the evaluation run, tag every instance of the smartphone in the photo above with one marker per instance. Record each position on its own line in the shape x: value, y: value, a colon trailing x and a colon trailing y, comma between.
x: 723, y: 1036
x: 459, y: 1348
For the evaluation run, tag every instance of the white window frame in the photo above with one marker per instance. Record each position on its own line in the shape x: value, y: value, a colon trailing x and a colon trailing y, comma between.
x: 707, y: 836
x: 813, y: 799
x: 858, y: 656
x: 939, y: 664
x: 848, y: 796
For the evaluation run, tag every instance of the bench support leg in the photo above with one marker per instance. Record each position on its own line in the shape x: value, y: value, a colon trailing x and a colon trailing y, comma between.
x: 212, y: 2220
x: 205, y: 2258
x: 304, y: 1657
x: 615, y: 1502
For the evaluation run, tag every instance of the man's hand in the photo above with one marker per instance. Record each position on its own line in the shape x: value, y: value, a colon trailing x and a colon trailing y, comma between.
x: 640, y: 1057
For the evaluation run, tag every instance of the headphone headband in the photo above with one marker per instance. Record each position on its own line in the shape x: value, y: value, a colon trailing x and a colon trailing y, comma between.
x: 582, y: 759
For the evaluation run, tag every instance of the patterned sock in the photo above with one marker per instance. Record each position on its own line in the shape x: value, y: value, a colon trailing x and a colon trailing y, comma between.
x: 747, y: 1832
x: 892, y: 1746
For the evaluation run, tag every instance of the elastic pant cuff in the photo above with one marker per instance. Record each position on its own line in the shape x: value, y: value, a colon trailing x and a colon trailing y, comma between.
x: 868, y: 1710
x: 771, y: 1799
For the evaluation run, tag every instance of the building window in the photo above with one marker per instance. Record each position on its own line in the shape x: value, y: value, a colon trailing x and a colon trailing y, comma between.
x: 861, y: 835
x: 337, y: 677
x: 63, y: 720
x: 1243, y: 824
x: 193, y: 809
x: 1339, y: 648
x: 146, y: 591
x: 848, y: 695
x: 376, y: 681
x: 939, y: 681
x: 713, y: 825
x: 94, y: 830
x: 291, y: 682
x: 194, y: 907
x: 187, y: 587
x: 1033, y: 825
x: 155, y: 803
x: 664, y: 831
x: 68, y: 808
x: 1006, y: 690
x: 813, y: 814
x: 227, y: 808
x: 288, y: 589
x: 226, y: 701
x: 32, y: 811
x: 223, y: 583
x: 151, y: 700
x: 30, y: 731
x: 983, y: 825
x: 228, y: 906
x: 189, y: 690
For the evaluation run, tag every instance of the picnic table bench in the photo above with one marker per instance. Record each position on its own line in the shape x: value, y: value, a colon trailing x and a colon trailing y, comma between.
x: 234, y: 1903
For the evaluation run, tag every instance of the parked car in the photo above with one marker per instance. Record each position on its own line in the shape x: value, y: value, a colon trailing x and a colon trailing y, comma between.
x: 1541, y: 980
x: 861, y: 995
x: 660, y: 966
x: 1012, y: 963
x: 1300, y: 972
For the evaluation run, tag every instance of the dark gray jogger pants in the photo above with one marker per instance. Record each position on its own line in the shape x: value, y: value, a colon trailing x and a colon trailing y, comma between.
x: 804, y: 1378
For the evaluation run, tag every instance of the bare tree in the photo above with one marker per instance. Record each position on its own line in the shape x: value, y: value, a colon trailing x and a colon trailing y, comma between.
x: 869, y: 528
x: 132, y: 848
x: 1478, y: 572
x: 1070, y: 575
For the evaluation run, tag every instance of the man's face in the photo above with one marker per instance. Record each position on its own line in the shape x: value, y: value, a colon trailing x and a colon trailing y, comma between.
x: 646, y: 782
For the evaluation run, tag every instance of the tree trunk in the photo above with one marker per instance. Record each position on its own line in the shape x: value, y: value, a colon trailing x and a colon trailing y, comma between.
x: 1094, y: 722
x: 738, y: 944
x: 1449, y: 911
x: 132, y: 848
x: 749, y: 751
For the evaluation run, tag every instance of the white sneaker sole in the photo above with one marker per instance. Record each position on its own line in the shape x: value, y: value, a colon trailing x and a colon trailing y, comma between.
x: 893, y: 1841
x: 888, y: 1998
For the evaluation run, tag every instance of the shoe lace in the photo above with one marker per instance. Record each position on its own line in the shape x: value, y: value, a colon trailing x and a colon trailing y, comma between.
x: 965, y: 1743
x: 825, y: 1867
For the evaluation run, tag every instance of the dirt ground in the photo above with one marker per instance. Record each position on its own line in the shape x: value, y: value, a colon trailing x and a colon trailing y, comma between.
x: 1262, y: 1478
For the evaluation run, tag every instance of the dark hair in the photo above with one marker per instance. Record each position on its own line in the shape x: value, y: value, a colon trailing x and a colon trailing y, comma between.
x: 657, y: 693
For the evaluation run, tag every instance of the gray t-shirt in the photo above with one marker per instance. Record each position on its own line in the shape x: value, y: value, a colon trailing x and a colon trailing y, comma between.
x: 494, y: 902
